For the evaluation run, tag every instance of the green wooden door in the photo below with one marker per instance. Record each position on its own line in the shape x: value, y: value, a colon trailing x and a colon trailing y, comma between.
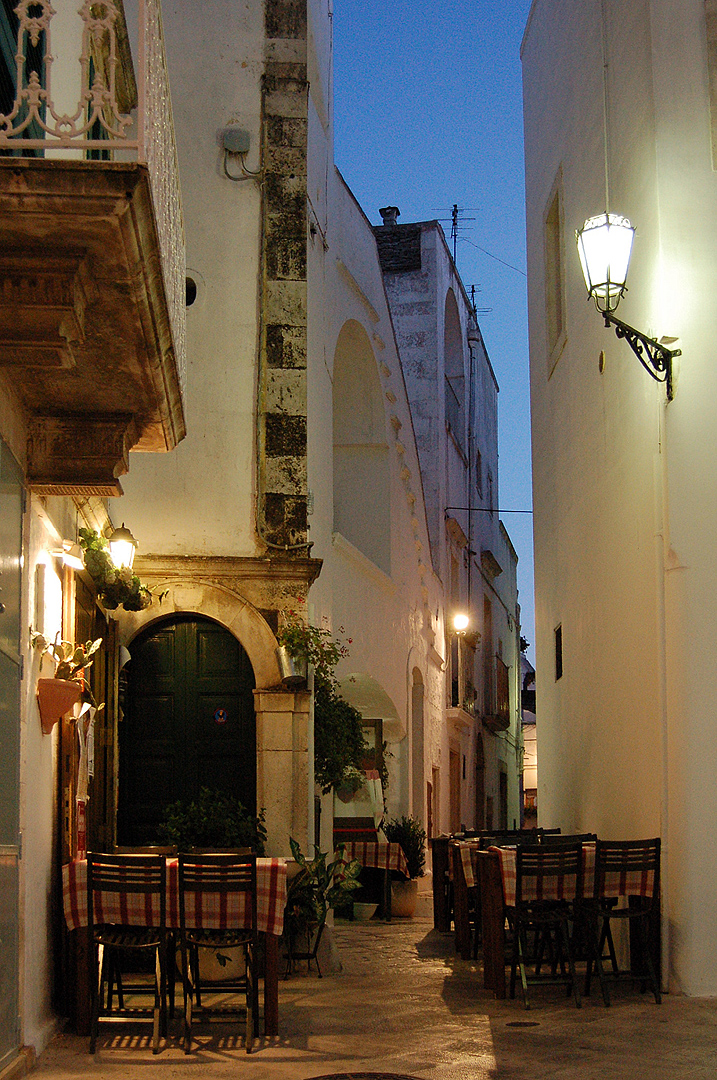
x: 188, y: 723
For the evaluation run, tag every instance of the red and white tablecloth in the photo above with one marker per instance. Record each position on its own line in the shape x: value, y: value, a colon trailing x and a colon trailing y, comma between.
x: 635, y: 883
x: 469, y: 854
x: 210, y: 912
x: 378, y: 854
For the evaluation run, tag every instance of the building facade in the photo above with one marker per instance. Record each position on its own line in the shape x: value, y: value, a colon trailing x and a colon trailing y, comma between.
x: 283, y: 466
x: 620, y: 105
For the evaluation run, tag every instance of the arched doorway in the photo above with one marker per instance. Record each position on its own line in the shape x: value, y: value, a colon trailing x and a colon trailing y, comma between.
x: 189, y: 722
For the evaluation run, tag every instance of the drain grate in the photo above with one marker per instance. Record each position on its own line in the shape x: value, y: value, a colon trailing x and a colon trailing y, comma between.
x: 523, y: 1023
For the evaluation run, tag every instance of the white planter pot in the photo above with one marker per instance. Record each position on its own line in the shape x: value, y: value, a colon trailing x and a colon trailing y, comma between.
x: 404, y: 895
x: 364, y: 912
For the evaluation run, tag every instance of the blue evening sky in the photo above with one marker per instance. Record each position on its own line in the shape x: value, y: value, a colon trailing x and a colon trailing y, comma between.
x: 428, y: 113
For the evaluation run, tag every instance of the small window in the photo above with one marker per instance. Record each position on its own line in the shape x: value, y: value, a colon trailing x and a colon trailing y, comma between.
x: 479, y: 473
x: 558, y: 652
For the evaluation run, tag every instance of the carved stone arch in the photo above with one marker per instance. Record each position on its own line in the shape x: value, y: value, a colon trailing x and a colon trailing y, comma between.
x: 224, y: 606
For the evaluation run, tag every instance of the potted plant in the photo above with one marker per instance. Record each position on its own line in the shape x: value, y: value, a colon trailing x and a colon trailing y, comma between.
x: 316, y: 887
x: 213, y: 822
x: 339, y: 744
x: 410, y: 834
x: 57, y: 695
x: 116, y: 587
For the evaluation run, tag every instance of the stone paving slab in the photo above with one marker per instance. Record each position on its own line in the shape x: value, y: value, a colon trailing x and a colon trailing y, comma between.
x: 405, y: 1004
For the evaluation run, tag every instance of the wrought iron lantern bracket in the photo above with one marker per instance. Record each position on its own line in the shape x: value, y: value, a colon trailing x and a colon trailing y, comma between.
x: 654, y: 357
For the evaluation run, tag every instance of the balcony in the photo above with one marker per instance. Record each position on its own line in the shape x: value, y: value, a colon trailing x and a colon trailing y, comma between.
x: 92, y: 270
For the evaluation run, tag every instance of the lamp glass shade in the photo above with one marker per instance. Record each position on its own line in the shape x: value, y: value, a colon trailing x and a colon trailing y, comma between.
x: 460, y: 622
x: 122, y: 548
x: 605, y: 246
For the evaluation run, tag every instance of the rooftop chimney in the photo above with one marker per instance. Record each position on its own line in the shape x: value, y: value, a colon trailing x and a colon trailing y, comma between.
x: 389, y: 215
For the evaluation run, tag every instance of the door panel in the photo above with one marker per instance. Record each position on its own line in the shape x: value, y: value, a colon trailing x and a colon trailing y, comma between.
x: 189, y: 723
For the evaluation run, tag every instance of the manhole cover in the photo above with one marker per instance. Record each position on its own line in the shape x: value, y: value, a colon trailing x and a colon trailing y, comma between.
x: 364, y: 1076
x: 523, y: 1023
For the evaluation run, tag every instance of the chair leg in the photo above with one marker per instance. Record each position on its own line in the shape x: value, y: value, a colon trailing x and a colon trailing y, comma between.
x: 96, y: 961
x: 186, y: 986
x: 522, y: 950
x: 647, y: 956
x: 565, y: 933
x: 598, y: 939
x: 251, y: 994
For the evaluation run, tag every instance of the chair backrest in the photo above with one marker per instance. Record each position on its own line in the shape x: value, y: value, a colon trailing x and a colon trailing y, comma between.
x: 126, y: 890
x: 627, y: 868
x: 218, y: 875
x: 569, y: 838
x: 548, y: 872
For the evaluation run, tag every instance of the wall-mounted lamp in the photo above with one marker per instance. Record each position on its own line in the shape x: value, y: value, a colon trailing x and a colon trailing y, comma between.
x: 71, y: 555
x: 460, y: 623
x: 605, y: 246
x: 122, y: 547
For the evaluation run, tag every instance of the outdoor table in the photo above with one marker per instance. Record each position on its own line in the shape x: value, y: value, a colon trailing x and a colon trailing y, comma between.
x: 271, y: 901
x: 496, y: 868
x: 379, y: 855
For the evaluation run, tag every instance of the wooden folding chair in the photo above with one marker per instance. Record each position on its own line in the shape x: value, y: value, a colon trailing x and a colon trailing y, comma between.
x: 126, y: 906
x: 212, y: 890
x: 627, y: 888
x: 548, y: 886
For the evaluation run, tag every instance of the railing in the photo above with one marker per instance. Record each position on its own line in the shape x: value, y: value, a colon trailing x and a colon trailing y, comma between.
x: 78, y: 101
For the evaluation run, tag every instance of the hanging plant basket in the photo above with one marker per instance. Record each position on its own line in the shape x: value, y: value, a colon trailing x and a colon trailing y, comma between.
x: 55, y: 697
x: 292, y: 669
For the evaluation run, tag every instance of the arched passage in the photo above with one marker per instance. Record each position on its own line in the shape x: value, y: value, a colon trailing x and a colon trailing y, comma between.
x: 189, y: 722
x: 361, y: 473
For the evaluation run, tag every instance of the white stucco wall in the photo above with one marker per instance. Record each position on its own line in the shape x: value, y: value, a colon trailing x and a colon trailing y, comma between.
x: 624, y: 524
x: 199, y: 499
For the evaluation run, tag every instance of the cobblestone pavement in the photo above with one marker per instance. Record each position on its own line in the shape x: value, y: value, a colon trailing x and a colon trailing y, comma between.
x: 403, y: 1003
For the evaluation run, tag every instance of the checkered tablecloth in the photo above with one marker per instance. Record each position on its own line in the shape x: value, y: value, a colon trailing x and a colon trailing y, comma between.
x: 210, y: 912
x: 378, y: 854
x: 636, y: 883
x: 468, y: 851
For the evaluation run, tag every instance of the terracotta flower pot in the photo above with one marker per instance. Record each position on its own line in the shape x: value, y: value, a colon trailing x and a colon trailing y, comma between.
x: 54, y: 698
x: 404, y: 896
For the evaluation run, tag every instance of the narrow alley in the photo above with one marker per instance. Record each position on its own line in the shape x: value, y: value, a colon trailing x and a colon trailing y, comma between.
x: 405, y: 1005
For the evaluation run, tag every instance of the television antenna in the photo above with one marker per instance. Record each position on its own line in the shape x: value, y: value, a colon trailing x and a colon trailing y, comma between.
x: 457, y: 220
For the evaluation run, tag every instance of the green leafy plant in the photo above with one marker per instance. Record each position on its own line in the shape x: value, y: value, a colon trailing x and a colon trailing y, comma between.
x: 316, y: 644
x: 410, y: 834
x: 339, y: 744
x: 71, y: 660
x: 215, y: 819
x: 115, y: 587
x: 318, y: 886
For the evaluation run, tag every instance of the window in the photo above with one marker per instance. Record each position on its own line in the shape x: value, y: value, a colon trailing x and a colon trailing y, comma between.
x: 502, y: 689
x: 554, y: 293
x: 479, y: 473
x: 558, y: 652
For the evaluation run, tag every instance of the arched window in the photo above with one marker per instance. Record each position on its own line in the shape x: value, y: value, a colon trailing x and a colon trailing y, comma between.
x: 361, y: 473
x: 455, y: 373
